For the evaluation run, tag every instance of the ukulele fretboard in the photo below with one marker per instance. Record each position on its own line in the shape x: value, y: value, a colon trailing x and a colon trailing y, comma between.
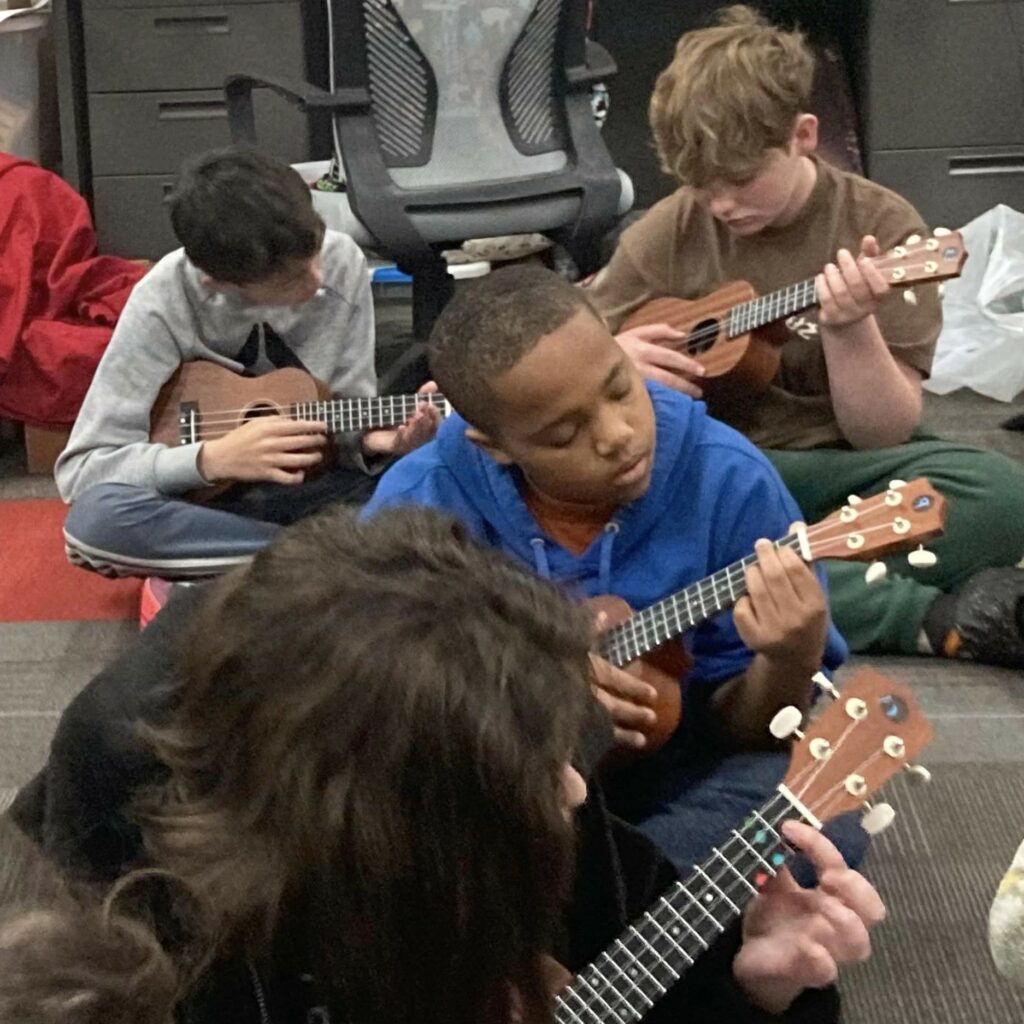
x: 638, y: 968
x: 766, y: 309
x: 347, y: 414
x: 679, y: 612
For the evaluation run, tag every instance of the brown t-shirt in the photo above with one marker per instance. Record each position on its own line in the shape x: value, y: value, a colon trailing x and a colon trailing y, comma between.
x: 679, y: 249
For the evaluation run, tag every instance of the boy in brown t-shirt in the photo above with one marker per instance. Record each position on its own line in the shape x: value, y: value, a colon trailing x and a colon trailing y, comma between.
x: 730, y: 122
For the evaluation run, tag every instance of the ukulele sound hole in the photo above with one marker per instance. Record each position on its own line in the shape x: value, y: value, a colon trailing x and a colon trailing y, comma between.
x: 254, y: 412
x: 702, y: 336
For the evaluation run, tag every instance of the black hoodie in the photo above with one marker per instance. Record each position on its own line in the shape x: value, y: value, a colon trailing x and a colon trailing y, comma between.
x: 76, y: 809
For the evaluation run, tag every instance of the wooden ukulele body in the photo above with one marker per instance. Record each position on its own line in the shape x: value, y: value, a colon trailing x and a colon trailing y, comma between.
x: 735, y: 366
x: 210, y: 389
x: 227, y: 400
x: 663, y: 668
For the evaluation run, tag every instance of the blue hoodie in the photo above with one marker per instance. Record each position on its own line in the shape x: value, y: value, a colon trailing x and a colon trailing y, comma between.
x: 712, y: 495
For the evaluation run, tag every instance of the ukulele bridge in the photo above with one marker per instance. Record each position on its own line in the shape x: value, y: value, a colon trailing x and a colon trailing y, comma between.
x: 188, y: 422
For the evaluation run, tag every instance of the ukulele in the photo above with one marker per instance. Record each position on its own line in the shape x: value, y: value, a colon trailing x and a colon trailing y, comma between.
x: 204, y: 400
x: 871, y: 731
x: 738, y: 336
x: 904, y: 515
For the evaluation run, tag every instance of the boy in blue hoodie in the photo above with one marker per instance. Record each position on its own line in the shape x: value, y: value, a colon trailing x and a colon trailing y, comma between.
x: 564, y: 458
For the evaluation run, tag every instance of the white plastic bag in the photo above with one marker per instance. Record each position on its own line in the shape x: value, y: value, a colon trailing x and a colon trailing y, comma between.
x: 982, y: 341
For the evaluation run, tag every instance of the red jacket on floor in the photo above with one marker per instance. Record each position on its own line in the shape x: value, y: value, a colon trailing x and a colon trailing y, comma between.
x: 59, y: 301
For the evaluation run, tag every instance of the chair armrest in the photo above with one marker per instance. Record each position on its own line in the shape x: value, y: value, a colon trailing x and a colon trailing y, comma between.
x: 310, y: 99
x: 600, y: 67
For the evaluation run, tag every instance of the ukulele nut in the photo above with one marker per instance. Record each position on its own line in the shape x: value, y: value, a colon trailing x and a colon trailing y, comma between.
x: 894, y: 747
x: 900, y: 525
x: 821, y: 749
x: 893, y: 498
x: 856, y: 709
x: 931, y: 267
x: 855, y: 541
x: 855, y: 785
x: 899, y: 273
x: 847, y: 514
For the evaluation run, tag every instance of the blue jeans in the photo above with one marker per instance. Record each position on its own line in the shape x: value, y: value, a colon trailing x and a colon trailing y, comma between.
x: 133, y: 531
x: 689, y: 795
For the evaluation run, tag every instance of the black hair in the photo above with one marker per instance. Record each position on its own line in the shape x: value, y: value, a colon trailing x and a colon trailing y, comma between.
x: 243, y: 216
x: 490, y: 325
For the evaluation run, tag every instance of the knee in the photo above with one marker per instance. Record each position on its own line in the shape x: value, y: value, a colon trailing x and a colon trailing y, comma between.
x: 102, y: 512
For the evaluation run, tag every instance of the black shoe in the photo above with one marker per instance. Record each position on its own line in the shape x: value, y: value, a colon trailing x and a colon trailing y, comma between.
x: 988, y: 619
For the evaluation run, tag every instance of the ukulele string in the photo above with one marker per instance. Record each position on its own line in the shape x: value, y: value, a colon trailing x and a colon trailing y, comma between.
x: 635, y: 628
x: 216, y: 416
x: 695, y: 340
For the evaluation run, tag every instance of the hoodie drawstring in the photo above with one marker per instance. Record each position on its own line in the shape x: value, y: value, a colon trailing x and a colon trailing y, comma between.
x: 540, y: 558
x: 604, y: 577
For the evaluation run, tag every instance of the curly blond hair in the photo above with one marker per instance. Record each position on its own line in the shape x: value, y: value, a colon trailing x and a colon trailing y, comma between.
x: 731, y: 93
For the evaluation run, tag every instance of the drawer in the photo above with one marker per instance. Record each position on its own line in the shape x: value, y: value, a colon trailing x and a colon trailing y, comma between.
x: 152, y: 132
x: 944, y: 73
x: 131, y: 218
x: 195, y: 47
x: 952, y: 186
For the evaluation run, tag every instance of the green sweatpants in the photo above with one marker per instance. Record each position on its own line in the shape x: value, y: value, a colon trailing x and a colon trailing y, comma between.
x: 984, y: 527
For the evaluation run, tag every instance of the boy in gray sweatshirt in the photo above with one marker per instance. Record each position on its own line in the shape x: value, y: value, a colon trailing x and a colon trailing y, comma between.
x: 257, y: 285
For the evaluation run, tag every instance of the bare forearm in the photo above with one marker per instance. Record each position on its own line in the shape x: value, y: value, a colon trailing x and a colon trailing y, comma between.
x: 875, y: 402
x: 747, y: 704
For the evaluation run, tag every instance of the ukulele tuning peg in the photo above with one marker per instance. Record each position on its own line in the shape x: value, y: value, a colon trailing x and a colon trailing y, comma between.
x: 922, y: 558
x: 918, y: 773
x: 939, y: 232
x: 825, y: 684
x: 786, y: 723
x: 912, y: 239
x: 876, y: 571
x: 941, y: 289
x: 910, y: 297
x: 895, y: 485
x: 853, y: 499
x: 877, y: 819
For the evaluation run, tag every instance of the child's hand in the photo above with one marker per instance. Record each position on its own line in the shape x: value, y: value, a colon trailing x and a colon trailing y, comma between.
x: 417, y: 430
x: 658, y: 363
x: 271, y: 448
x: 850, y: 289
x: 784, y: 615
x: 627, y: 699
x: 797, y: 938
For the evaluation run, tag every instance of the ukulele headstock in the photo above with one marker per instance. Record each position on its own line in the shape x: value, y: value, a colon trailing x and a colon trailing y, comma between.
x: 923, y: 259
x: 905, y: 514
x: 872, y: 730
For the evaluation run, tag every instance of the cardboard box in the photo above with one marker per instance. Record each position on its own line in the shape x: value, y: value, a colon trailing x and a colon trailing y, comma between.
x: 42, y: 446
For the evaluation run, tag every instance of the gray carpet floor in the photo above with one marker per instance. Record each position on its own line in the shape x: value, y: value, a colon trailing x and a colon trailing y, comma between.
x: 937, y: 866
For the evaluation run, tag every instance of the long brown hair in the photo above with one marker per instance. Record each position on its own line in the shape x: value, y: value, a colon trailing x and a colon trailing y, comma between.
x: 370, y: 737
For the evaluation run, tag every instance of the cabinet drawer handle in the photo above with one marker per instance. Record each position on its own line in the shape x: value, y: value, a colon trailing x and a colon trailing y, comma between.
x: 1004, y: 163
x: 191, y: 110
x: 202, y: 24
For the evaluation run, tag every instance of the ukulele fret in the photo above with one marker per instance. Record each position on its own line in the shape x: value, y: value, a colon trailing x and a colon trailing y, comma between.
x: 573, y: 1015
x: 679, y: 612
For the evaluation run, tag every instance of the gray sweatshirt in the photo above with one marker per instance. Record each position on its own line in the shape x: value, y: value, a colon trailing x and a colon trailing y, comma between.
x: 171, y: 318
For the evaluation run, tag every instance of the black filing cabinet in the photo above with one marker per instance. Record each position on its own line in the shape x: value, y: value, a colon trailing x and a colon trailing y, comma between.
x: 153, y: 83
x: 943, y: 104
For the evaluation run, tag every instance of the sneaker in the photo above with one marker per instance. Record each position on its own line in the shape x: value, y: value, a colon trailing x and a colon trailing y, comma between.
x: 986, y: 619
